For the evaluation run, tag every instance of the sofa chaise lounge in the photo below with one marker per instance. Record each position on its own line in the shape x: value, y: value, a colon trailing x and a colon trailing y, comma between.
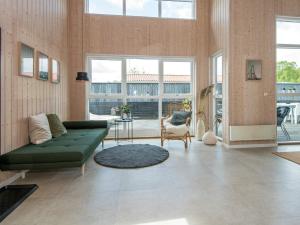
x: 69, y: 150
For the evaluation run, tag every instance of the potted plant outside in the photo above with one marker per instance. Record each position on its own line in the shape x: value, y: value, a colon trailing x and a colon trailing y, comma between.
x: 125, y: 111
x: 187, y: 105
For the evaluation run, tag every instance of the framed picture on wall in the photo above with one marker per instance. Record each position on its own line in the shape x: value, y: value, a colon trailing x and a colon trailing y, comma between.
x: 55, y: 76
x: 26, y: 60
x: 43, y: 66
x: 254, y: 69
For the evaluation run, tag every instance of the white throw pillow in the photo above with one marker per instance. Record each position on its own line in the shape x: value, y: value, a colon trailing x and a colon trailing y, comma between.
x: 39, y: 129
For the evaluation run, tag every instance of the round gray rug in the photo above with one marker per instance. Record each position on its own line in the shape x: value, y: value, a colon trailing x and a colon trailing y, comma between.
x: 131, y: 156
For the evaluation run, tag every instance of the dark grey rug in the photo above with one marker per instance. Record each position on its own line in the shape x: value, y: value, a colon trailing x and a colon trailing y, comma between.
x: 131, y: 156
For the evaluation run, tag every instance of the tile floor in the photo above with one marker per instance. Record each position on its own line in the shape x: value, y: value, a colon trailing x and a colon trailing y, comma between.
x: 201, y: 186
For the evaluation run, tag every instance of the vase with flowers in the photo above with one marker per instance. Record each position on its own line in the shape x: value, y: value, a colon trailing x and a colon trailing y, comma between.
x: 125, y: 111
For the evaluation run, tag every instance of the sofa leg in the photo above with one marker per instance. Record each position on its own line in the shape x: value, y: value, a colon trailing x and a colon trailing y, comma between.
x: 82, y: 169
x: 23, y: 175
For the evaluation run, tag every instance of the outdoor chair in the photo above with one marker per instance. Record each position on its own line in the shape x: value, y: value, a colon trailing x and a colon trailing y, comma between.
x: 282, y: 112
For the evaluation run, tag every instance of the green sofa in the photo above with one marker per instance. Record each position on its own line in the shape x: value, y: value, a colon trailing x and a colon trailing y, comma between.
x: 69, y: 150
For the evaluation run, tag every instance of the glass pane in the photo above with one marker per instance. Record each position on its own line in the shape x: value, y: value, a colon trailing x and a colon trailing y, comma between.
x: 111, y: 7
x: 171, y: 105
x: 142, y: 89
x: 43, y: 66
x: 288, y: 70
x: 106, y: 76
x: 291, y: 121
x: 142, y: 77
x: 142, y: 8
x: 177, y: 88
x: 288, y: 82
x: 27, y: 64
x: 145, y: 113
x: 177, y: 77
x: 55, y: 71
x: 218, y: 117
x: 100, y: 107
x: 219, y: 78
x: 288, y: 32
x: 142, y: 68
x: 177, y: 9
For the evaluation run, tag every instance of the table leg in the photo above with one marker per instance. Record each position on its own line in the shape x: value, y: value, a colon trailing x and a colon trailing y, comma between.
x: 293, y: 116
x: 132, y: 131
x: 128, y: 128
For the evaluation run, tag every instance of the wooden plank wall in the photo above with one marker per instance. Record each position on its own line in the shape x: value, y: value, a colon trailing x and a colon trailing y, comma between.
x: 118, y: 35
x: 219, y: 25
x: 287, y: 8
x: 253, y: 36
x: 42, y: 24
x: 252, y: 31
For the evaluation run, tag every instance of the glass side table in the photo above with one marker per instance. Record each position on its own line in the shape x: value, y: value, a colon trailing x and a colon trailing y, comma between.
x: 129, y: 126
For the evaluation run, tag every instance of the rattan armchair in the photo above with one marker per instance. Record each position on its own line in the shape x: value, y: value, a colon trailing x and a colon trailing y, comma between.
x: 171, y: 132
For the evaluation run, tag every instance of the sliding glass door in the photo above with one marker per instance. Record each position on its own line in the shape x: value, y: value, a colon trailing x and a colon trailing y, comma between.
x: 288, y: 80
x: 148, y: 85
x: 217, y: 80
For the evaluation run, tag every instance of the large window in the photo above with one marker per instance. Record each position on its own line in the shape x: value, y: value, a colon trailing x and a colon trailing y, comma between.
x: 288, y: 79
x: 150, y: 86
x: 180, y: 9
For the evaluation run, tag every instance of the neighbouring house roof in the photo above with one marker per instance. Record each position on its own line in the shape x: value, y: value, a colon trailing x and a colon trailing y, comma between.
x: 155, y: 78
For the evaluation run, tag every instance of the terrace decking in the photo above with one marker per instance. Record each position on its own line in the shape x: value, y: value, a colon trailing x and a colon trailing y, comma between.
x: 293, y: 130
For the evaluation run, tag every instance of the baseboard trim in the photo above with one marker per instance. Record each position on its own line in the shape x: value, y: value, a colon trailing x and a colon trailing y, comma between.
x: 250, y: 146
x: 12, y: 179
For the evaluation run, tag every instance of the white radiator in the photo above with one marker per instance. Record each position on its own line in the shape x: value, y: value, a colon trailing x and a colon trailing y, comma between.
x: 253, y: 133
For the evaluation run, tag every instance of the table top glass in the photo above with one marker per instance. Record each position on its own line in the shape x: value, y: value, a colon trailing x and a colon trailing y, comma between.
x: 124, y: 120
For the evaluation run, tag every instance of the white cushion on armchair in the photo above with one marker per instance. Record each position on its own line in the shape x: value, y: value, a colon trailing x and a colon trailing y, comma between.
x: 179, y: 130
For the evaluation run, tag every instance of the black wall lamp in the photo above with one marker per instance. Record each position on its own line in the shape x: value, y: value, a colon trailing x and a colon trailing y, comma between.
x: 82, y: 76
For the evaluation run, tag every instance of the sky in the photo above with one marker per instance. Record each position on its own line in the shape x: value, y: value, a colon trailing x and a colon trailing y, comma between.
x: 141, y: 8
x: 111, y: 70
x: 288, y: 33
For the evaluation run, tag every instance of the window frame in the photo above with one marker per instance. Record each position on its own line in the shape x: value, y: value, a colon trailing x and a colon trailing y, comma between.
x: 213, y: 80
x: 159, y: 9
x: 285, y: 46
x: 123, y: 95
x: 289, y: 20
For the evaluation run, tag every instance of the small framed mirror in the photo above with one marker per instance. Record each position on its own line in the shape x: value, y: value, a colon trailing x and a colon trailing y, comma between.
x: 26, y: 60
x: 55, y: 77
x: 43, y: 66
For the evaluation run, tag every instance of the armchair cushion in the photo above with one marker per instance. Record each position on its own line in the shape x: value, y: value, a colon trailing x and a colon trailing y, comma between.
x: 179, y: 117
x: 179, y: 130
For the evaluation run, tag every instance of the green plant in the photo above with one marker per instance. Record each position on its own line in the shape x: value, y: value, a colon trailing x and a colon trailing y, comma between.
x: 288, y: 72
x: 203, y: 103
x: 187, y: 104
x: 125, y: 109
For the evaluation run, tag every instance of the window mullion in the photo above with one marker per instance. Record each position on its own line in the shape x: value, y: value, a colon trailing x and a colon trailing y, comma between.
x: 124, y: 82
x: 159, y: 9
x: 86, y: 10
x: 161, y: 87
x: 124, y: 7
